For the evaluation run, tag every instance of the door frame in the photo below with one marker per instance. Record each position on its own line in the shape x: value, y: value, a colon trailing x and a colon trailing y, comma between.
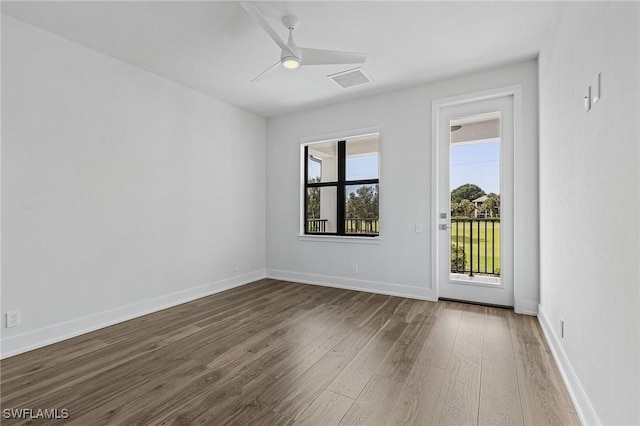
x: 437, y: 106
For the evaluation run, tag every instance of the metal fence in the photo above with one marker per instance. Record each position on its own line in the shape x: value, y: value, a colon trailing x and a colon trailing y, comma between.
x: 352, y: 226
x: 475, y: 246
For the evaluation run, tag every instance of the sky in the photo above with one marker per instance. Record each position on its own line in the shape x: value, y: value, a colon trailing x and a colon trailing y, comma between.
x: 362, y: 167
x: 477, y: 163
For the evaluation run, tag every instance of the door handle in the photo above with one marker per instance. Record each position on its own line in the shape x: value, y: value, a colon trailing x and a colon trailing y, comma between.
x: 443, y: 227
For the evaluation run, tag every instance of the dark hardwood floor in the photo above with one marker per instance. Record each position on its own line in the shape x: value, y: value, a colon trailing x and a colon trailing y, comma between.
x: 275, y: 352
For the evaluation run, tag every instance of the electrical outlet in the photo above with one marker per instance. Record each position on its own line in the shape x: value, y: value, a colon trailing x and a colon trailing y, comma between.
x: 236, y: 266
x: 354, y: 268
x: 13, y: 318
x: 561, y: 328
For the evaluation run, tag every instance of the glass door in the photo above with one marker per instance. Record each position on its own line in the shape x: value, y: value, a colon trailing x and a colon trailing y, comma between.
x: 475, y: 201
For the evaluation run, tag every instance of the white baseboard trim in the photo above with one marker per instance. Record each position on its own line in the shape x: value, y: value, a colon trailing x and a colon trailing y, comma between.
x: 580, y: 400
x: 526, y: 307
x: 21, y: 343
x: 421, y: 293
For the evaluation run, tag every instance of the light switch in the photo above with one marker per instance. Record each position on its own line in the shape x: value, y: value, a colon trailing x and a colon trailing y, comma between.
x: 418, y: 228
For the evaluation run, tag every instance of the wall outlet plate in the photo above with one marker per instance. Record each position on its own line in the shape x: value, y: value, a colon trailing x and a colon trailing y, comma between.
x: 13, y: 319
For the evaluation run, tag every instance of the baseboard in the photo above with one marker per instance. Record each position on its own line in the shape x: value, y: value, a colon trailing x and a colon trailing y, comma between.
x: 526, y: 307
x: 580, y: 400
x: 21, y: 343
x: 412, y: 292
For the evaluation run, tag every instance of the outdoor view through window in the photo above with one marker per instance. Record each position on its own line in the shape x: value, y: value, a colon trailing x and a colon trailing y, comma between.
x: 341, y: 187
x: 475, y: 198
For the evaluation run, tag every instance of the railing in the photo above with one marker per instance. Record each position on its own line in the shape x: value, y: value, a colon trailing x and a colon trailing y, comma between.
x: 352, y: 226
x: 317, y: 225
x: 475, y: 246
x: 362, y: 226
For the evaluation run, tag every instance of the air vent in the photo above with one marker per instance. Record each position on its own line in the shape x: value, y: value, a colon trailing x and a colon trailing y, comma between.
x: 350, y: 78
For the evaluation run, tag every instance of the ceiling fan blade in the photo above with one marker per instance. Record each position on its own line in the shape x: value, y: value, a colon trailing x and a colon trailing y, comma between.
x: 330, y: 57
x: 257, y: 16
x: 264, y: 73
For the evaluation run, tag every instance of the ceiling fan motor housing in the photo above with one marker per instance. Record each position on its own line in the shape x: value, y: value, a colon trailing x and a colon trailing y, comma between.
x: 290, y: 22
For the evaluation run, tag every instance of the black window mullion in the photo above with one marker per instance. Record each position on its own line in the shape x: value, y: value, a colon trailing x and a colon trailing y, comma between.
x: 362, y: 182
x: 321, y: 184
x: 306, y: 190
x: 340, y: 197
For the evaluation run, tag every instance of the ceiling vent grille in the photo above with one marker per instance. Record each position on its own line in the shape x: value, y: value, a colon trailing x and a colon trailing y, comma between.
x: 350, y: 78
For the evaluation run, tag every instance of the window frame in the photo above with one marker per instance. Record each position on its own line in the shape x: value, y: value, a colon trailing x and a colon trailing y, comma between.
x: 340, y: 184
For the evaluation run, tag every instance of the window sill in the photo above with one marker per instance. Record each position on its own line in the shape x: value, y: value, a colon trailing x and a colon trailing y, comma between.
x: 340, y: 239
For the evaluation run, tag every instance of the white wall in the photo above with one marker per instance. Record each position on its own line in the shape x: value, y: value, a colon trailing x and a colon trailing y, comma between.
x: 589, y: 207
x: 122, y: 192
x: 400, y: 264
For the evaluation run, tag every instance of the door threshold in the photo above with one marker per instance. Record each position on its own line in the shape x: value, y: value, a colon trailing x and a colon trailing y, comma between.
x: 469, y: 302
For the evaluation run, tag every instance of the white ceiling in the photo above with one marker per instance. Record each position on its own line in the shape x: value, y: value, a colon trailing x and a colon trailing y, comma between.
x: 216, y: 48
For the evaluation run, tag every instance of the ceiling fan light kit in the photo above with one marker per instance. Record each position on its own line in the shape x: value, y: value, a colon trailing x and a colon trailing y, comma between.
x: 292, y: 56
x: 290, y: 62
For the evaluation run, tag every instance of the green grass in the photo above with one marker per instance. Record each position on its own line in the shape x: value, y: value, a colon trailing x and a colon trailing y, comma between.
x: 491, y: 241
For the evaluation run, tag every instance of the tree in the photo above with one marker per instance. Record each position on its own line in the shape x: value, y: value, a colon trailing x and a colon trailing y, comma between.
x: 466, y: 208
x: 364, y: 203
x: 313, y: 201
x: 458, y: 260
x: 462, y: 208
x: 455, y: 208
x: 492, y: 204
x: 468, y: 191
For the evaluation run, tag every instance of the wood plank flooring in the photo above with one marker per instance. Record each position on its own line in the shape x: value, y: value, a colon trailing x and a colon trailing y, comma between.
x: 280, y: 353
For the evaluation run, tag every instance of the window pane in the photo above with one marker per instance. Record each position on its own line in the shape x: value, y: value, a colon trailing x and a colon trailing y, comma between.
x: 321, y: 209
x: 362, y: 209
x: 475, y: 198
x: 362, y: 158
x: 323, y: 162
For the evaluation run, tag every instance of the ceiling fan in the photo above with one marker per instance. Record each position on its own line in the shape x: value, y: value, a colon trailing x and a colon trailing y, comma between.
x: 292, y: 56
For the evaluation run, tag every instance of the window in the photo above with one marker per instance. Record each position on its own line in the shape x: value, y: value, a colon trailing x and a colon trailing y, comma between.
x: 341, y: 187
